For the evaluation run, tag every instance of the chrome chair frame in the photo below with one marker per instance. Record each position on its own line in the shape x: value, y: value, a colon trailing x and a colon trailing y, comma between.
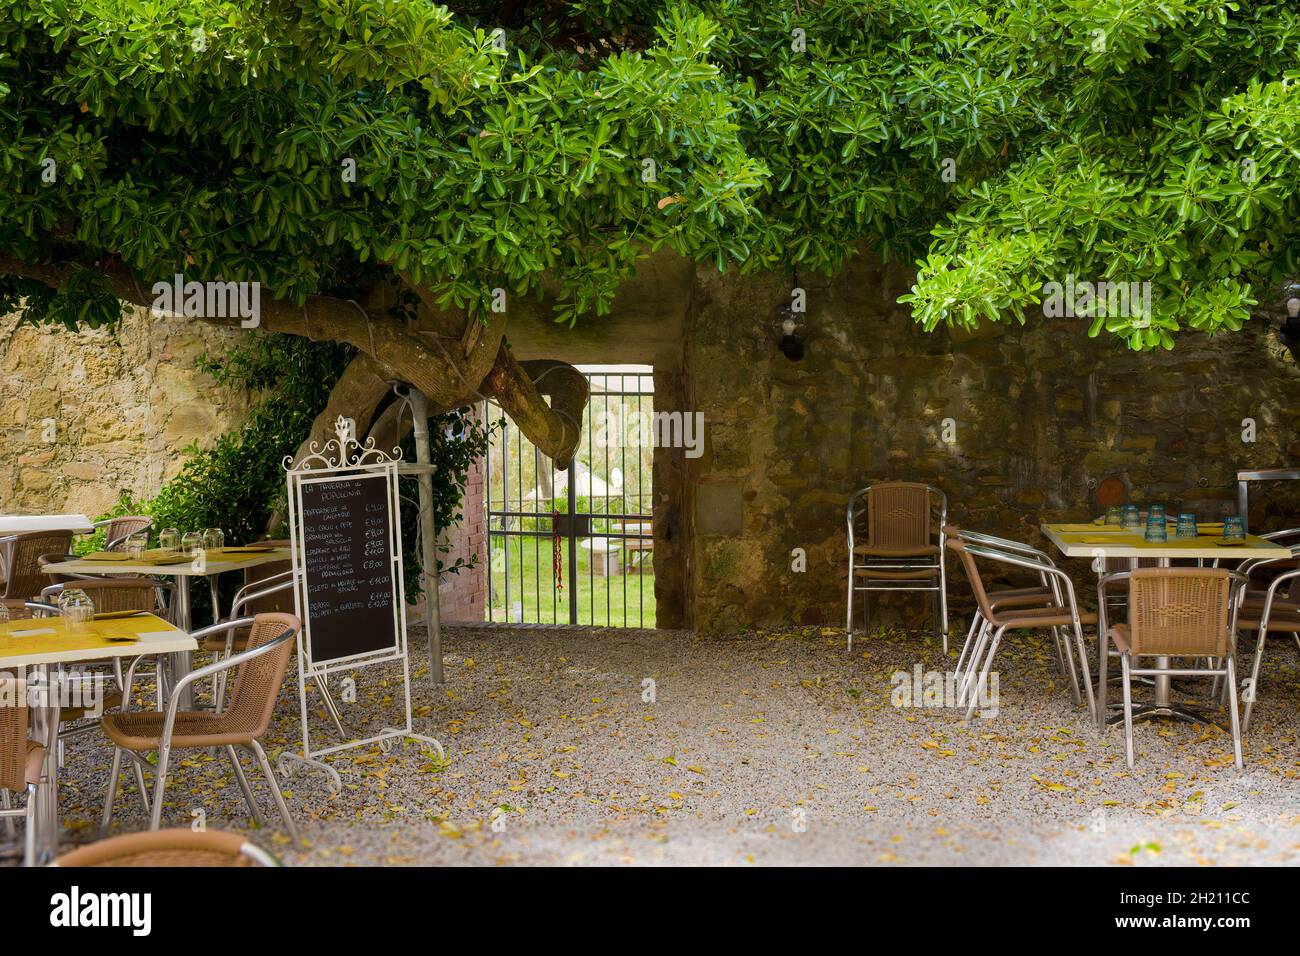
x: 1071, y: 604
x: 121, y: 539
x: 245, y: 595
x: 31, y: 809
x: 283, y: 581
x: 1065, y: 662
x: 901, y: 564
x: 164, y: 751
x: 1261, y: 641
x: 1237, y: 589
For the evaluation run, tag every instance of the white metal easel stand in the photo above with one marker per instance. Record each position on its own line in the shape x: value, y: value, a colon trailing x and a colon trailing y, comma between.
x: 342, y: 458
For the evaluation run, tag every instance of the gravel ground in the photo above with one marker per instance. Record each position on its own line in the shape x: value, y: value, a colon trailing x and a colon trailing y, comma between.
x: 579, y: 746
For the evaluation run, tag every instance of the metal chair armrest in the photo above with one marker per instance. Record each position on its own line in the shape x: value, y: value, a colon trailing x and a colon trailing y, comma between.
x: 210, y: 670
x: 1272, y: 592
x: 1027, y: 562
x: 241, y: 598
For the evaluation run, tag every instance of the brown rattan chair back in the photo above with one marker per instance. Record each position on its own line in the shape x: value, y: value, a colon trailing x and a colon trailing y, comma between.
x: 257, y: 682
x: 25, y: 577
x: 18, y: 610
x: 13, y: 734
x: 179, y: 847
x: 116, y: 594
x: 1179, y: 612
x: 119, y: 528
x: 898, y: 515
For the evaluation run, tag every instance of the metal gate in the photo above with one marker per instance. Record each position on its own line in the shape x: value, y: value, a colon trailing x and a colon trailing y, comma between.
x: 576, y: 546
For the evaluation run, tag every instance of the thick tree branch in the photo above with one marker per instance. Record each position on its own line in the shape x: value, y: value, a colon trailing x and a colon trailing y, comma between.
x: 451, y: 370
x: 320, y: 318
x: 555, y: 429
x: 358, y: 392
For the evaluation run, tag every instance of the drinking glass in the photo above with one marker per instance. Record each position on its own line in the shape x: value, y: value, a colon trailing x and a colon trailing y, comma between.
x: 1132, y: 518
x: 1157, y: 532
x: 1234, y: 529
x: 75, y: 607
x: 136, y: 545
x: 214, y: 539
x: 191, y: 543
x: 1114, y: 515
x: 1186, y: 525
x: 1156, y: 510
x: 169, y: 539
x: 4, y: 613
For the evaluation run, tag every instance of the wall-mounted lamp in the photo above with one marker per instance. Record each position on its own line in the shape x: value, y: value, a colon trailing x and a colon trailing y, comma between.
x: 1289, y: 333
x: 791, y: 342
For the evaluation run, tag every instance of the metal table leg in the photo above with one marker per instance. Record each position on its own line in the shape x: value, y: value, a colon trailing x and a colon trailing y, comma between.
x: 182, y: 662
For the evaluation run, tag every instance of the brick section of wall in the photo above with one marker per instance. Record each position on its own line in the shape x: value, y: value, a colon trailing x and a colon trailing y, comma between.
x: 462, y: 597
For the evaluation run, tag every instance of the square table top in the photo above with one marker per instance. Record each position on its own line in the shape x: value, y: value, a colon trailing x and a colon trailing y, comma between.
x: 51, y: 641
x: 1082, y: 541
x: 217, y: 562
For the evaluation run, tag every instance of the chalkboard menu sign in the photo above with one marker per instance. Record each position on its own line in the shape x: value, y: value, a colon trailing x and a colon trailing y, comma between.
x: 347, y: 524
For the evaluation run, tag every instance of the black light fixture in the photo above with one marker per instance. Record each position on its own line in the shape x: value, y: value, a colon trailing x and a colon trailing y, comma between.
x: 791, y: 343
x: 788, y: 314
x: 1289, y: 333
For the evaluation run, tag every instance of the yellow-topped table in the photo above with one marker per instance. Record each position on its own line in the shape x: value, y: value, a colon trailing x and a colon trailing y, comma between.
x: 1108, y: 541
x: 214, y: 562
x: 50, y: 641
x: 1100, y: 542
x: 34, y: 644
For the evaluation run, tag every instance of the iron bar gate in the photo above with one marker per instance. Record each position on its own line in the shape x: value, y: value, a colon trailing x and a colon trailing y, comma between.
x: 587, y: 529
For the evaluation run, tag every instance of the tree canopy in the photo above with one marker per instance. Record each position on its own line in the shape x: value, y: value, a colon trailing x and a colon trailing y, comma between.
x: 457, y: 154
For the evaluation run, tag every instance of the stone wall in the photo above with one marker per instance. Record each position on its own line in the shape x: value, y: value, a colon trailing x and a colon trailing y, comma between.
x: 1042, y: 414
x: 87, y: 416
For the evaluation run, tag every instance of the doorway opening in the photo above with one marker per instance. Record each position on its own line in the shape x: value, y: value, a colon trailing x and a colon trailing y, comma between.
x: 577, y: 546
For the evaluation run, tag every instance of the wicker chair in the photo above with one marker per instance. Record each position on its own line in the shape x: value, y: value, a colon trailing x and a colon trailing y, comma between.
x: 24, y: 577
x: 21, y: 761
x: 1175, y: 612
x: 1268, y: 613
x: 263, y: 594
x: 1062, y: 614
x: 179, y: 847
x: 901, y: 546
x: 257, y: 596
x: 17, y: 610
x: 117, y: 530
x: 1047, y: 593
x: 252, y: 702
